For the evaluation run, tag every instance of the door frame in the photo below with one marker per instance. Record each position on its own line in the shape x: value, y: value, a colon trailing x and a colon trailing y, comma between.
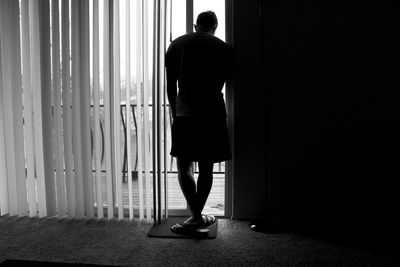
x: 229, y: 99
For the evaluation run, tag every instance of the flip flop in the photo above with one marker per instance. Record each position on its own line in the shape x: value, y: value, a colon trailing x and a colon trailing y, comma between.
x: 208, y: 220
x: 185, y: 228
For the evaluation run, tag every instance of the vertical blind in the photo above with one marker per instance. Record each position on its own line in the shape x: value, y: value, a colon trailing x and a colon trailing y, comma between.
x: 83, y: 109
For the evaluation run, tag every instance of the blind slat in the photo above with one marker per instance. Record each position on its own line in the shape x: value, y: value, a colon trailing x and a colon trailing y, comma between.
x: 96, y: 105
x: 117, y: 106
x: 58, y: 146
x: 7, y: 108
x: 67, y: 112
x: 159, y: 119
x: 17, y: 110
x: 154, y: 112
x: 85, y: 108
x: 164, y: 102
x: 76, y: 109
x: 7, y: 105
x: 12, y: 104
x: 146, y: 115
x: 4, y: 209
x: 139, y: 83
x: 37, y: 104
x: 107, y: 110
x: 28, y: 109
x: 48, y: 148
x: 128, y: 108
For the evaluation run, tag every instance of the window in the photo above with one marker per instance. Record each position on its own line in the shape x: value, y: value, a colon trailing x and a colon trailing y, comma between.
x: 82, y: 88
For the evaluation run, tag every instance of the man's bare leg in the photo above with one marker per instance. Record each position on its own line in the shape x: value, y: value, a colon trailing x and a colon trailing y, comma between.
x: 188, y: 186
x: 204, y: 182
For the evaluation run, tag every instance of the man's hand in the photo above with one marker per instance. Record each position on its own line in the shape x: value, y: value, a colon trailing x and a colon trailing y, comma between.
x: 173, y: 113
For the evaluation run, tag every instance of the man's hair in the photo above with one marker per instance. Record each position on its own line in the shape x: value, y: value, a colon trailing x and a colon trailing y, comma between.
x: 207, y: 20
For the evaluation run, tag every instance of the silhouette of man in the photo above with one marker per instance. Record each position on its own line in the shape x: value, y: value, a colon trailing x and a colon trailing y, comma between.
x: 200, y: 64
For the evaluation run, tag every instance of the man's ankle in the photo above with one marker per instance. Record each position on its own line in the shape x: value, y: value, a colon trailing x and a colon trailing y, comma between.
x: 197, y: 219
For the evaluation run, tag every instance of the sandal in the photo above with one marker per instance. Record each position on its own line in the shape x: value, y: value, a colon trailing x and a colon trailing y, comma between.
x: 189, y: 228
x: 186, y: 228
x: 208, y: 220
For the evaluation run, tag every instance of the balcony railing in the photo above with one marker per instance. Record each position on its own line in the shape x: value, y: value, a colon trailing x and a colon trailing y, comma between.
x: 218, y: 169
x: 216, y: 200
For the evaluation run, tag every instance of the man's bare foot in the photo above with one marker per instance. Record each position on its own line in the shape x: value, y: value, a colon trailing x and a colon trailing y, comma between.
x: 188, y: 220
x: 205, y: 220
x: 194, y: 222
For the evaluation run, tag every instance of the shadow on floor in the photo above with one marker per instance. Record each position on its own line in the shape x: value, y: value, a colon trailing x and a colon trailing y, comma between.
x: 376, y: 234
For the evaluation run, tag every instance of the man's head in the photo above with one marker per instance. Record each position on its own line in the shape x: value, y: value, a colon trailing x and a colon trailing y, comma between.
x: 206, y: 22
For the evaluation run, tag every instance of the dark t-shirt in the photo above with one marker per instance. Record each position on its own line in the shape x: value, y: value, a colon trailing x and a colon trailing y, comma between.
x: 201, y: 64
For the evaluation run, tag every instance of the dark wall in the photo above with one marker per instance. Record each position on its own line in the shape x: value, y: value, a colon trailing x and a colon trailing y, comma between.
x: 332, y: 75
x: 249, y: 172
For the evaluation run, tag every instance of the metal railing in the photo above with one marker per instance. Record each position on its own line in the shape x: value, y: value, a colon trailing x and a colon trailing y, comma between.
x: 220, y: 168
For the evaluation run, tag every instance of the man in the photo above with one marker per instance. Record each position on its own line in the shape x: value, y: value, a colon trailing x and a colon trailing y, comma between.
x: 200, y: 64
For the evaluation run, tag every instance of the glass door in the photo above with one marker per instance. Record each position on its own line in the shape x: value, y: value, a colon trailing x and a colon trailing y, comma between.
x: 181, y: 16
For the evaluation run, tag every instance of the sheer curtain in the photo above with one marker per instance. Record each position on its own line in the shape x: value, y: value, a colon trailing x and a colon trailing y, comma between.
x: 83, y: 114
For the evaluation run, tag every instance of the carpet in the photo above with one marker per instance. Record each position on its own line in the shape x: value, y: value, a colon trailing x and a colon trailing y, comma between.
x: 163, y: 230
x: 125, y: 243
x: 22, y: 263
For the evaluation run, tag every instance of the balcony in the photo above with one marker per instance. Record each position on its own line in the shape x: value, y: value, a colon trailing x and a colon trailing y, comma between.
x: 176, y: 200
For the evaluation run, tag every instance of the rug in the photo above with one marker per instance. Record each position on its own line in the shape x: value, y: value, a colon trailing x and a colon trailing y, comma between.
x: 22, y: 263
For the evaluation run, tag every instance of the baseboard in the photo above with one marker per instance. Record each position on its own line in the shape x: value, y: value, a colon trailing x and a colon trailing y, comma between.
x: 320, y: 215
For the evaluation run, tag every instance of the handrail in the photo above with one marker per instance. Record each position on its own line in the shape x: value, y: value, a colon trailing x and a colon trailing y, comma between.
x: 124, y: 167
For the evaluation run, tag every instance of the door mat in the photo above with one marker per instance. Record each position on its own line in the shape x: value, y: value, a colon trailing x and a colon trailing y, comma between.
x: 163, y: 230
x: 22, y: 263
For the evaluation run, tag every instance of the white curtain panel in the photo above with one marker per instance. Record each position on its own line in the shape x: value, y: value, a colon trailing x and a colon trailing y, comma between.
x: 83, y: 109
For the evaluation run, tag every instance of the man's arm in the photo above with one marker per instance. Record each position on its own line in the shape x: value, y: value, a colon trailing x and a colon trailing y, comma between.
x: 172, y: 78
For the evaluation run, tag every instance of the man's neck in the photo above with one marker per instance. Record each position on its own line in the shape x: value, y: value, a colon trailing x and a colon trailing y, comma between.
x: 206, y: 32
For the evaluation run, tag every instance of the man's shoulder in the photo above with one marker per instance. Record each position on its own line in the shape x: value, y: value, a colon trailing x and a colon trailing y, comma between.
x: 209, y: 42
x: 220, y: 44
x: 182, y: 39
x: 198, y: 37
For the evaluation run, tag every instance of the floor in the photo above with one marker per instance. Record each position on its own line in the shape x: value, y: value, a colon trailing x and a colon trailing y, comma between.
x: 124, y: 243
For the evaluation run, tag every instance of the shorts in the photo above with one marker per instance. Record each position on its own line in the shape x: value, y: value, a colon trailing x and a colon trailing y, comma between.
x: 198, y: 139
